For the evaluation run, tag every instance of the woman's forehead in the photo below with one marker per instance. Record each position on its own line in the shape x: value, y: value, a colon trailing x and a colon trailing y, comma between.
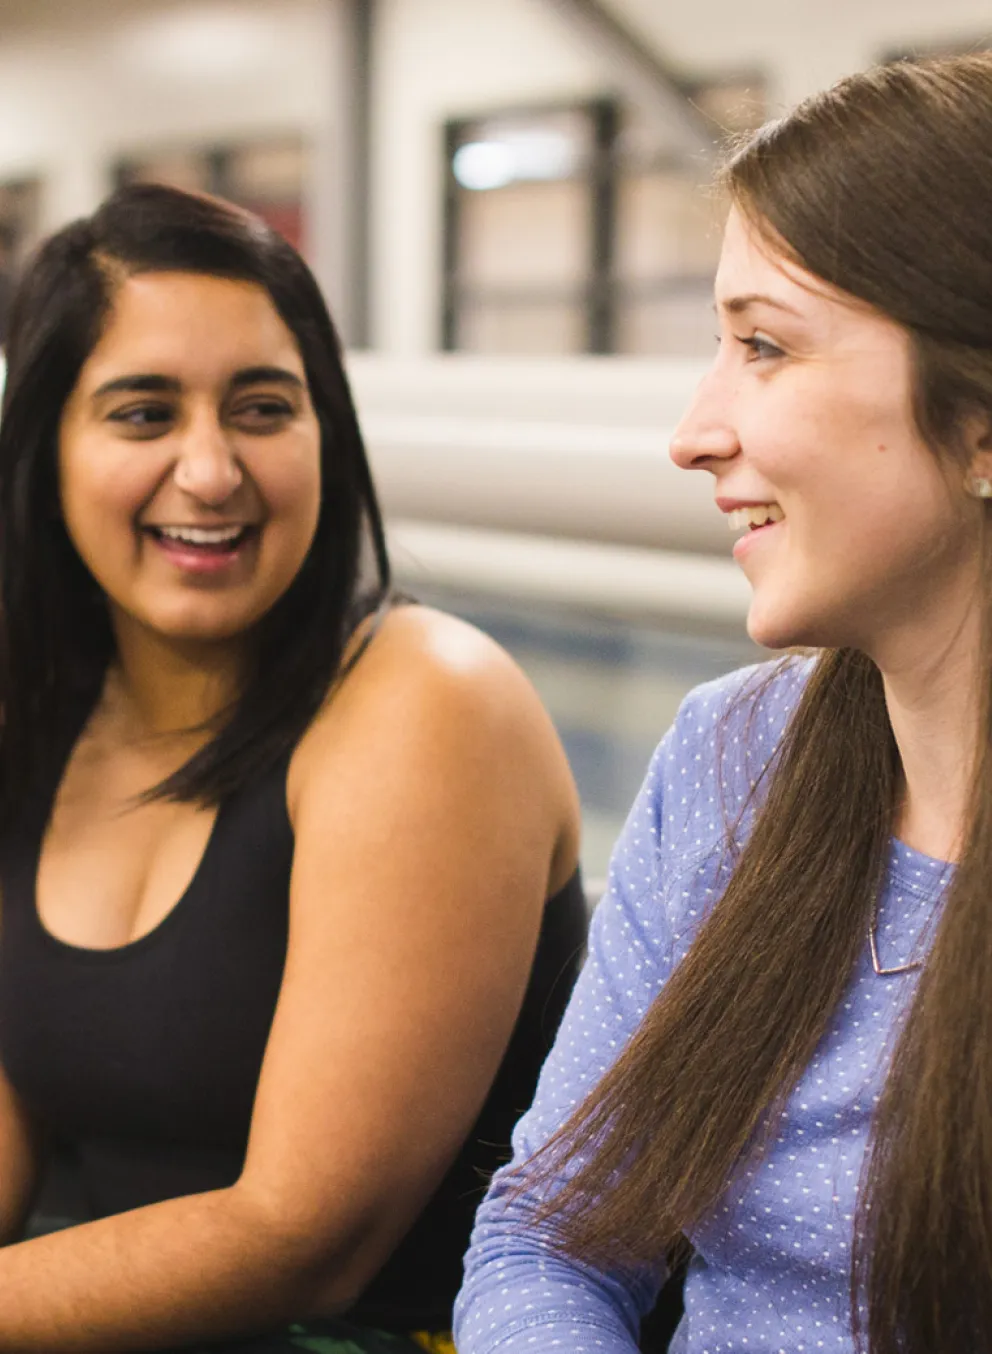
x: 750, y: 264
x: 187, y: 322
x: 754, y: 275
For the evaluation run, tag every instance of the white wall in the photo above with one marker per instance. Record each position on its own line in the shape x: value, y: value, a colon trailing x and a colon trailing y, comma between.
x: 87, y: 84
x: 802, y: 44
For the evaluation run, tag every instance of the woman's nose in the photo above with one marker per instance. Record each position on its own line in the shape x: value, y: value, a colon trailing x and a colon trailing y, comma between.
x: 208, y: 468
x: 705, y: 432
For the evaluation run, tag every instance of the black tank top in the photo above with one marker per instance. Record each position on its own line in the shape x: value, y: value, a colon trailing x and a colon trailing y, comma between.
x: 141, y: 1062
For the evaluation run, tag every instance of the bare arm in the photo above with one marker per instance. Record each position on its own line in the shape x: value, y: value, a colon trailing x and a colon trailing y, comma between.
x: 431, y: 808
x: 19, y: 1162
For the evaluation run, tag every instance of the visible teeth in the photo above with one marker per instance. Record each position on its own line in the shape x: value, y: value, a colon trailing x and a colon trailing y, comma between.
x: 742, y: 518
x: 201, y: 535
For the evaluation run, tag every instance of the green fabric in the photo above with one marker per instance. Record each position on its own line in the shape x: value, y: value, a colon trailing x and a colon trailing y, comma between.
x: 350, y: 1340
x: 319, y: 1337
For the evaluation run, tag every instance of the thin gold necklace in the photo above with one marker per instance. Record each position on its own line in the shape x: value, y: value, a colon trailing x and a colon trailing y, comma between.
x: 876, y: 963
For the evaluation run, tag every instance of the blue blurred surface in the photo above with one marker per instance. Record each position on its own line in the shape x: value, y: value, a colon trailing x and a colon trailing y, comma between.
x: 612, y: 689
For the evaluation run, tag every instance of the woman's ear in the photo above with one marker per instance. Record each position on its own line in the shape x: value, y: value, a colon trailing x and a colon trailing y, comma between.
x: 977, y: 437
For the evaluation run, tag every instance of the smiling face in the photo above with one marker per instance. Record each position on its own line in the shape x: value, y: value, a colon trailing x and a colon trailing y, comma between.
x: 806, y: 416
x: 189, y: 457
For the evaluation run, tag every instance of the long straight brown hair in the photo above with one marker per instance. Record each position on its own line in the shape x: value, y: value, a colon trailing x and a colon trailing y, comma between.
x: 882, y: 187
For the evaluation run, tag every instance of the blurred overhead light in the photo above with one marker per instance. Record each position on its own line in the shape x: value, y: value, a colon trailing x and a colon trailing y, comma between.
x: 484, y: 164
x: 516, y: 156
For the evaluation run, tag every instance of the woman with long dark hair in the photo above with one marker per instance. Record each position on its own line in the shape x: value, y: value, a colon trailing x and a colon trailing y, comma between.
x: 290, y: 898
x: 781, y: 1046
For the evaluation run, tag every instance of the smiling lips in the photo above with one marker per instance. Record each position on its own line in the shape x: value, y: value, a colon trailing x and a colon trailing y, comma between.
x: 201, y: 550
x: 751, y: 517
x: 217, y: 538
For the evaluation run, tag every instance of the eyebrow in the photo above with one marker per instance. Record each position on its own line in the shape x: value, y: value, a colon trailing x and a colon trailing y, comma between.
x: 152, y: 383
x: 253, y: 376
x: 735, y: 305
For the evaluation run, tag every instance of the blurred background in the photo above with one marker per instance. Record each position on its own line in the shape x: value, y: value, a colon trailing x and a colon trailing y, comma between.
x: 507, y: 203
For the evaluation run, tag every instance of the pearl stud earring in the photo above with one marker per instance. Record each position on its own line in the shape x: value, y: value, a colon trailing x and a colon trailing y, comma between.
x: 979, y: 487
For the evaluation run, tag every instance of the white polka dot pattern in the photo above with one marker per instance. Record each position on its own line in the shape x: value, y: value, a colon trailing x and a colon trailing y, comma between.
x: 771, y: 1270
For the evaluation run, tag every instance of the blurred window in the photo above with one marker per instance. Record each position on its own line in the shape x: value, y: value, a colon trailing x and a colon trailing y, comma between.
x: 527, y: 210
x: 584, y: 229
x: 267, y: 176
x: 20, y: 209
x: 669, y: 224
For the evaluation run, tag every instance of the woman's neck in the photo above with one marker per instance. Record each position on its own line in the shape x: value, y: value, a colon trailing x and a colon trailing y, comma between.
x: 159, y: 686
x: 934, y: 706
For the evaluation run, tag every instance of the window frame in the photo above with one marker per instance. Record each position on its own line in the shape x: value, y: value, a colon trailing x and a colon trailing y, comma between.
x: 599, y: 179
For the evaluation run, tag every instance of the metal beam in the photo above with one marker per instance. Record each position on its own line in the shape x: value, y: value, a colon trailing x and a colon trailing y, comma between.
x: 361, y: 22
x: 696, y: 592
x: 643, y: 76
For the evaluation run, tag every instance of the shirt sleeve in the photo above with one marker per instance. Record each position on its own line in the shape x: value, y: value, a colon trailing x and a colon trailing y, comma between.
x: 519, y: 1293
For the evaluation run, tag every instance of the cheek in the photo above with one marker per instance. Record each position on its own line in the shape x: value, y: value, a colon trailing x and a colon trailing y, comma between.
x: 289, y: 483
x: 877, y: 537
x: 101, y: 494
x: 842, y: 460
x: 785, y: 432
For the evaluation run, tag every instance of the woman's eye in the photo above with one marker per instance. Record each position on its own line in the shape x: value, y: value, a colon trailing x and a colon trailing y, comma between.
x: 761, y: 349
x: 262, y: 412
x: 143, y: 418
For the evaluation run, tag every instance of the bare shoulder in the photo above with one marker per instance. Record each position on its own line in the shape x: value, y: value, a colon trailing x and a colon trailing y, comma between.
x: 438, y: 697
x: 418, y: 642
x: 436, y: 665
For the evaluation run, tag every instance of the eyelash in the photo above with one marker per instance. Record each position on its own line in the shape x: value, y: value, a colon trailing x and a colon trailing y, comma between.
x: 143, y: 417
x: 269, y: 406
x: 763, y: 350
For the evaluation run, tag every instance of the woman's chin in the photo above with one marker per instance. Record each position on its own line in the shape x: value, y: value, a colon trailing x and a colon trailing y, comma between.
x: 191, y: 625
x: 780, y: 627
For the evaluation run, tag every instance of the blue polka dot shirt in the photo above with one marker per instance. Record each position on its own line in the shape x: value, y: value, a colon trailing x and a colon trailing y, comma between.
x: 772, y: 1263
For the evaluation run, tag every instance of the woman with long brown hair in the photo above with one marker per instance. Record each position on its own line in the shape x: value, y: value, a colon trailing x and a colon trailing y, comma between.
x: 780, y: 1048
